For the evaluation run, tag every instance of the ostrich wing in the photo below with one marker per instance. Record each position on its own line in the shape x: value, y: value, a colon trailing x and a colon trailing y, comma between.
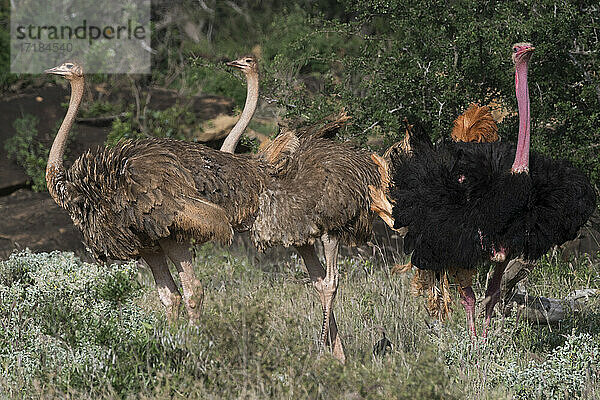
x: 460, y: 203
x: 562, y: 199
x: 323, y: 189
x: 127, y: 197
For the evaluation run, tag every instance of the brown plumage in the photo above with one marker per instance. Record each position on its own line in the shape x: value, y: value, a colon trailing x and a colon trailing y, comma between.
x: 148, y: 198
x: 126, y: 198
x: 320, y: 189
x: 323, y: 189
x: 475, y: 125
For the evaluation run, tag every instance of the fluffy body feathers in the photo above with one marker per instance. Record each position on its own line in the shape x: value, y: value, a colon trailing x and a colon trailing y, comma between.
x: 462, y: 204
x: 126, y: 198
x: 322, y: 187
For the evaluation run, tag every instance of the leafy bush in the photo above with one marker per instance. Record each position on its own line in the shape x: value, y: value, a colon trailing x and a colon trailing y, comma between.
x: 567, y: 371
x: 27, y: 151
x: 99, y: 108
x: 72, y: 324
x: 175, y: 122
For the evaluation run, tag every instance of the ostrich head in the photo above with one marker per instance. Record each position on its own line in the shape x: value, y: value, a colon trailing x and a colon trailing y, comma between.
x: 69, y: 70
x: 247, y: 64
x: 522, y: 52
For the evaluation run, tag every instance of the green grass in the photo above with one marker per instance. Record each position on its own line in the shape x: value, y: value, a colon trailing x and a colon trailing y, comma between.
x: 73, y: 329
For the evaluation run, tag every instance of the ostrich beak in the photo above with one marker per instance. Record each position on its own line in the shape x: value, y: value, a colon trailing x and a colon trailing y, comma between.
x: 56, y: 71
x: 235, y: 64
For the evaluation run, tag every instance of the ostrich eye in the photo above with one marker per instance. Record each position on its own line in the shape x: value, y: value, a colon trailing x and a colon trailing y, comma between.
x: 69, y: 66
x: 515, y: 49
x: 248, y: 60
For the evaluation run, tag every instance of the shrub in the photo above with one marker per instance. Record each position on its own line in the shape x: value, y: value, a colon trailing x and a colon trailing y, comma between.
x: 71, y: 324
x: 27, y: 151
x: 175, y: 122
x: 567, y: 371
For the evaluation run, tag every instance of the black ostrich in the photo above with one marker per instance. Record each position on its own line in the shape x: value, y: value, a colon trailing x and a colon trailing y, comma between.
x: 466, y: 203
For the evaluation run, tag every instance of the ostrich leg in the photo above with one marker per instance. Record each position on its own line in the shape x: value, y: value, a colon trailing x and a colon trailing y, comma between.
x: 167, y: 289
x: 317, y: 275
x: 492, y: 294
x: 193, y: 294
x: 331, y: 281
x: 467, y: 299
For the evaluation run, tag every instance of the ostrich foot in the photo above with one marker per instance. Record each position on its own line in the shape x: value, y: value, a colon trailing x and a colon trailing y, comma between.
x: 325, y: 284
x: 327, y: 289
x: 338, y: 350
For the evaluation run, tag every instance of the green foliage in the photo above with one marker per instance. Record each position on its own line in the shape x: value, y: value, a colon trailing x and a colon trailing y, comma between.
x: 175, y: 122
x: 70, y: 328
x: 6, y: 78
x: 99, y: 108
x: 27, y: 151
x: 71, y: 323
x: 565, y: 373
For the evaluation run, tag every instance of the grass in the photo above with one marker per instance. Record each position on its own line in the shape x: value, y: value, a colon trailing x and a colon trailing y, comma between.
x: 79, y: 330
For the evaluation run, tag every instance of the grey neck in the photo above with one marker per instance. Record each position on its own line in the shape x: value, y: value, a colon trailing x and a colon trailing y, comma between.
x: 234, y: 136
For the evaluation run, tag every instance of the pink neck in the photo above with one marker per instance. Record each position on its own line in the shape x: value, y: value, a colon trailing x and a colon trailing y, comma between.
x: 521, y: 163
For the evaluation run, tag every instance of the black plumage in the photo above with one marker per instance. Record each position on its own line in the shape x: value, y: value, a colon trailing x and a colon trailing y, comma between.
x: 462, y: 204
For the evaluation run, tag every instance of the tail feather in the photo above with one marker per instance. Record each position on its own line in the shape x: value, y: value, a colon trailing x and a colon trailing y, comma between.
x: 379, y: 201
x: 475, y: 125
x: 328, y: 130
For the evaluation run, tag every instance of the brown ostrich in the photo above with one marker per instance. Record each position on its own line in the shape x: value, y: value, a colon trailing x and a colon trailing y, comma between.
x: 148, y: 198
x: 321, y: 190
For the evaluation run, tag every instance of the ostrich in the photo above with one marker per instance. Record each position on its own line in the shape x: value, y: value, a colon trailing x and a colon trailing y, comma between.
x: 148, y: 198
x: 321, y: 191
x: 476, y: 124
x: 465, y: 203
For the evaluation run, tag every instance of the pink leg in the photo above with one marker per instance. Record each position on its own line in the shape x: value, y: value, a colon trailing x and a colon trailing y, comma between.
x: 492, y: 294
x: 467, y: 299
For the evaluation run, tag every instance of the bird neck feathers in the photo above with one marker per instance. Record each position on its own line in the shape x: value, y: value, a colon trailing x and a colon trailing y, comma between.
x: 54, y: 169
x: 251, y: 100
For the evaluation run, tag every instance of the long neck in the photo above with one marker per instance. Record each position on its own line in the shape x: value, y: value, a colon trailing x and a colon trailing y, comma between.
x: 521, y: 163
x: 54, y: 169
x: 234, y: 136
